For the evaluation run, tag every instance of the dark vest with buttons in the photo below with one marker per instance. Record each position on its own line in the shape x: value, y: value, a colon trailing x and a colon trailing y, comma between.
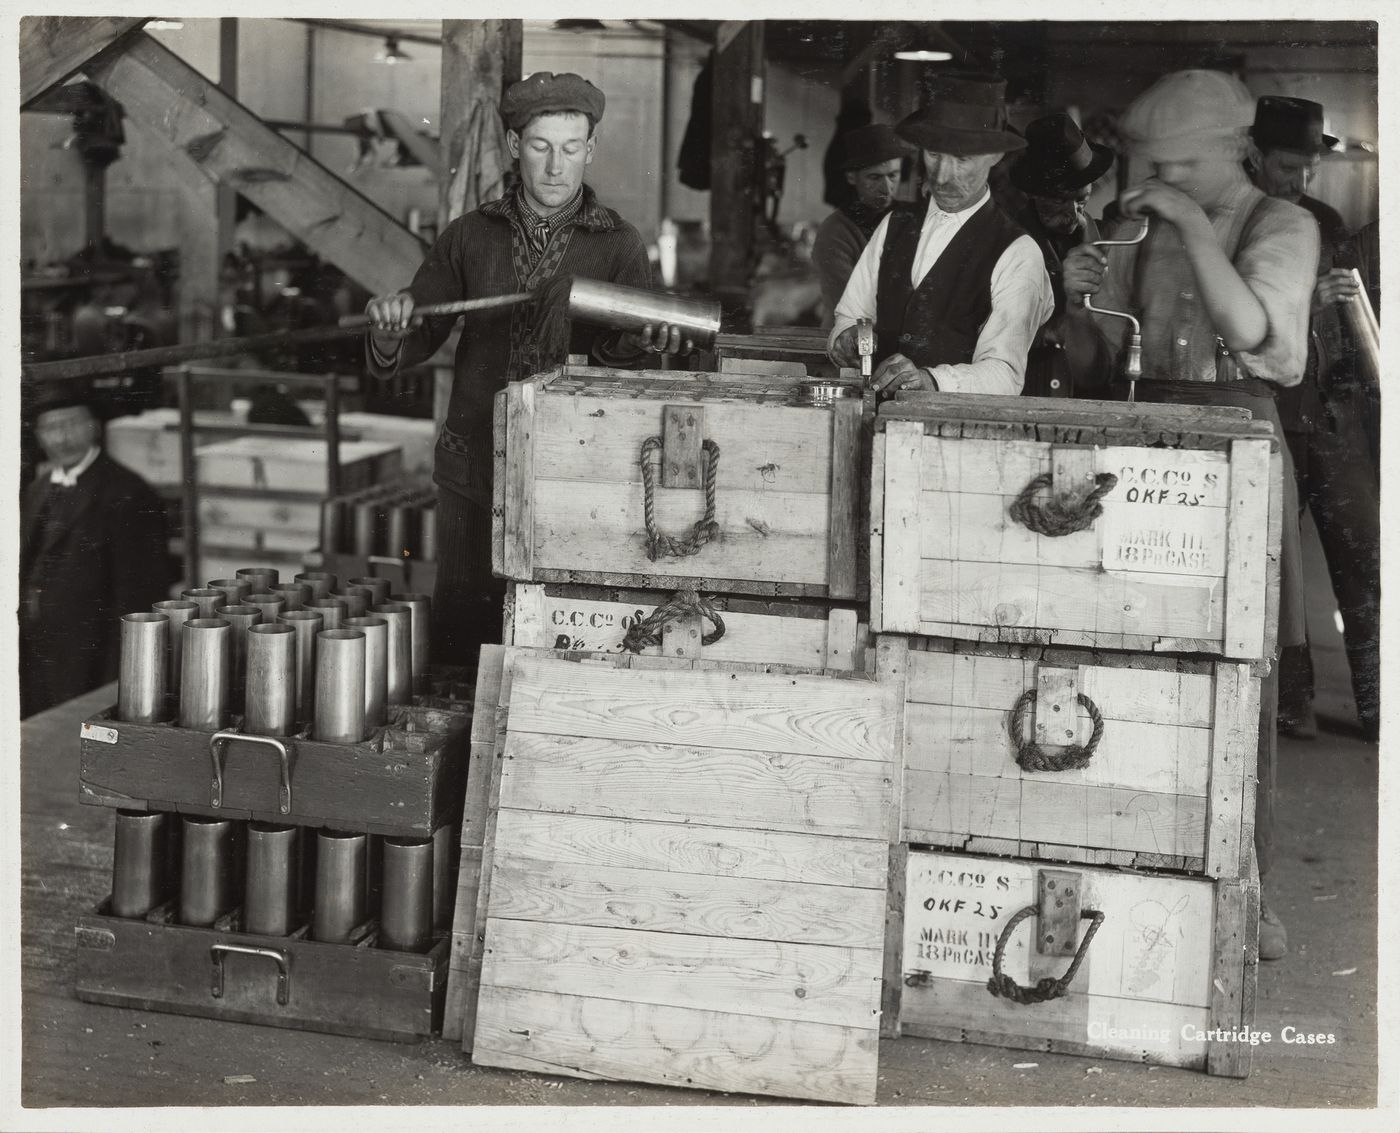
x: 937, y: 322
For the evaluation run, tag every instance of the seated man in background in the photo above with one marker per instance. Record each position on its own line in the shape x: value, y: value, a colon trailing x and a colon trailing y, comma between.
x: 956, y: 290
x: 1324, y: 421
x: 1057, y: 172
x: 872, y: 162
x: 1223, y: 284
x: 92, y: 548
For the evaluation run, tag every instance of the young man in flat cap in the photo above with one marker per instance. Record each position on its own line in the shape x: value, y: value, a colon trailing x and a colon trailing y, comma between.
x: 552, y: 225
x: 1222, y: 286
x: 956, y: 290
x: 92, y: 548
x: 1324, y: 419
x: 1057, y: 171
x: 872, y: 164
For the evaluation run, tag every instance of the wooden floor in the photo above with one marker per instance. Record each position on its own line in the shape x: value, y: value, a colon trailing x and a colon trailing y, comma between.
x: 1324, y: 888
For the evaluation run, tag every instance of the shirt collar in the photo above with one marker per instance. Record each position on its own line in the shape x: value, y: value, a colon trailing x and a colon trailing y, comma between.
x: 533, y: 219
x: 68, y: 477
x: 937, y: 216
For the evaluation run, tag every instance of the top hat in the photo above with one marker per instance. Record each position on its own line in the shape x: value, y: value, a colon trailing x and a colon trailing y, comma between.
x: 966, y: 117
x: 1290, y: 123
x: 545, y: 92
x: 871, y: 145
x: 1058, y: 158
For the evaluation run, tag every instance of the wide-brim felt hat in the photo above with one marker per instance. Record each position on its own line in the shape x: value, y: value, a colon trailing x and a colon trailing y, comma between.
x: 1293, y: 124
x: 39, y: 397
x: 545, y: 92
x: 1058, y: 158
x: 870, y: 145
x: 967, y: 116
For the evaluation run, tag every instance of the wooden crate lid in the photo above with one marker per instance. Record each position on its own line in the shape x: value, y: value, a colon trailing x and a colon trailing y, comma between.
x: 1062, y: 421
x: 673, y: 385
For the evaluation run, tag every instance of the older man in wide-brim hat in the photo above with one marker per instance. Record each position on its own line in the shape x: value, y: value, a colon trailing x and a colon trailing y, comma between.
x: 1222, y: 286
x: 1057, y: 171
x: 955, y: 288
x: 550, y: 226
x: 1325, y: 419
x: 873, y: 163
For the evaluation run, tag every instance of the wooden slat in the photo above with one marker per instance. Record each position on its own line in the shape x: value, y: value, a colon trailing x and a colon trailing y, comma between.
x: 232, y: 147
x: 737, y: 908
x: 675, y: 1046
x: 758, y: 855
x: 518, y: 549
x: 876, y: 522
x: 1248, y: 536
x: 53, y: 48
x: 1233, y: 754
x: 1230, y: 1059
x: 1056, y: 717
x: 751, y: 977
x: 843, y: 529
x: 750, y: 789
x: 796, y: 714
x: 1072, y: 470
x: 499, y: 475
x: 893, y: 974
x: 682, y: 431
x: 1273, y: 571
x: 767, y: 535
x: 902, y: 570
x: 1069, y: 597
x: 892, y: 671
x: 844, y: 645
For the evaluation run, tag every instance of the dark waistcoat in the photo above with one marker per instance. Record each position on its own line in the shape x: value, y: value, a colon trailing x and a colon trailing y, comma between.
x: 937, y: 322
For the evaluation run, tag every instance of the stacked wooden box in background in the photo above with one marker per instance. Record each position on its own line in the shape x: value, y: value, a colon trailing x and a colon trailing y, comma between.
x: 1076, y: 601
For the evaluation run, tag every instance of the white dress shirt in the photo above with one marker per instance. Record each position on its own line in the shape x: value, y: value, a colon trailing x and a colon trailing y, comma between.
x: 68, y: 477
x: 1021, y: 302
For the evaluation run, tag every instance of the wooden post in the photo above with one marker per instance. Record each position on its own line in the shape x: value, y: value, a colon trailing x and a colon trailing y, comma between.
x: 480, y: 58
x: 738, y: 126
x: 226, y: 195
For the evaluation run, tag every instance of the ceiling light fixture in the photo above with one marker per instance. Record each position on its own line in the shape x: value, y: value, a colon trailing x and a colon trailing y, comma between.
x: 163, y: 25
x: 391, y: 54
x: 923, y: 56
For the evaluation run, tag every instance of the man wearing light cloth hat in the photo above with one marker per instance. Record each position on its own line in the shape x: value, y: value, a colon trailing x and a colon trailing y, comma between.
x: 1222, y: 286
x: 552, y: 225
x: 956, y: 290
x: 1057, y: 172
x: 873, y: 157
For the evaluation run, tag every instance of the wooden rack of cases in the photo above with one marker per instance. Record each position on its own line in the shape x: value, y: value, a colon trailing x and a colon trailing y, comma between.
x: 406, y: 780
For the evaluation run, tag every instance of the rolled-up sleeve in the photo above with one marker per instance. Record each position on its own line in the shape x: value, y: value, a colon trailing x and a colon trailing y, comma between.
x: 858, y: 300
x: 1278, y: 264
x: 1022, y: 301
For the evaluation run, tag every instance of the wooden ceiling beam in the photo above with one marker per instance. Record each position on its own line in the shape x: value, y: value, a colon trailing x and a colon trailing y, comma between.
x: 232, y: 147
x: 54, y: 48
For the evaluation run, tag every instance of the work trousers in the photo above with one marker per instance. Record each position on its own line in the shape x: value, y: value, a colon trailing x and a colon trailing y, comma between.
x: 1339, y: 482
x: 468, y: 601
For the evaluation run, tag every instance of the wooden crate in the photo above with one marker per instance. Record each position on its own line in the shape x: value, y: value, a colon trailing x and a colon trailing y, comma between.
x: 684, y: 875
x: 155, y: 964
x: 1170, y: 783
x: 1184, y: 557
x: 286, y: 464
x: 1174, y: 959
x: 406, y: 779
x: 570, y: 497
x: 779, y: 631
x: 800, y: 346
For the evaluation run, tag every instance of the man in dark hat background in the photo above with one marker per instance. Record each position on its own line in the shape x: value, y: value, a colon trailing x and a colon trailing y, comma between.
x: 1056, y: 172
x: 1324, y: 420
x: 956, y: 290
x: 872, y: 162
x: 92, y: 548
x: 552, y: 225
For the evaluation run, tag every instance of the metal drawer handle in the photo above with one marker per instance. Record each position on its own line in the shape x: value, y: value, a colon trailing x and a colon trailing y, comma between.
x: 216, y: 790
x: 1047, y: 987
x: 281, y: 959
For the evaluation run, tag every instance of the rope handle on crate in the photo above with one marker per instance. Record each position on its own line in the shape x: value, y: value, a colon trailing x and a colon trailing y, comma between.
x: 684, y: 603
x: 1032, y: 757
x: 1063, y: 514
x: 659, y: 544
x: 1047, y: 987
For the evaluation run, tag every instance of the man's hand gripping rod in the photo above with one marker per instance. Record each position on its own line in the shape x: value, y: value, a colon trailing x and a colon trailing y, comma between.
x: 1132, y: 363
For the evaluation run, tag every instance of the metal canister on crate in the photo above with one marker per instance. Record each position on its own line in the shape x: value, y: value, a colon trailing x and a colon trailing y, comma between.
x: 138, y: 862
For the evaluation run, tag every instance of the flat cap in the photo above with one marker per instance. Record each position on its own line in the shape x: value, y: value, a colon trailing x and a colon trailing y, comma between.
x: 545, y: 92
x: 1187, y: 114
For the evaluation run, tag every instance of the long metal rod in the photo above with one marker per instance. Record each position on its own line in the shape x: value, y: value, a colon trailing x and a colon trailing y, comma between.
x: 128, y: 360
